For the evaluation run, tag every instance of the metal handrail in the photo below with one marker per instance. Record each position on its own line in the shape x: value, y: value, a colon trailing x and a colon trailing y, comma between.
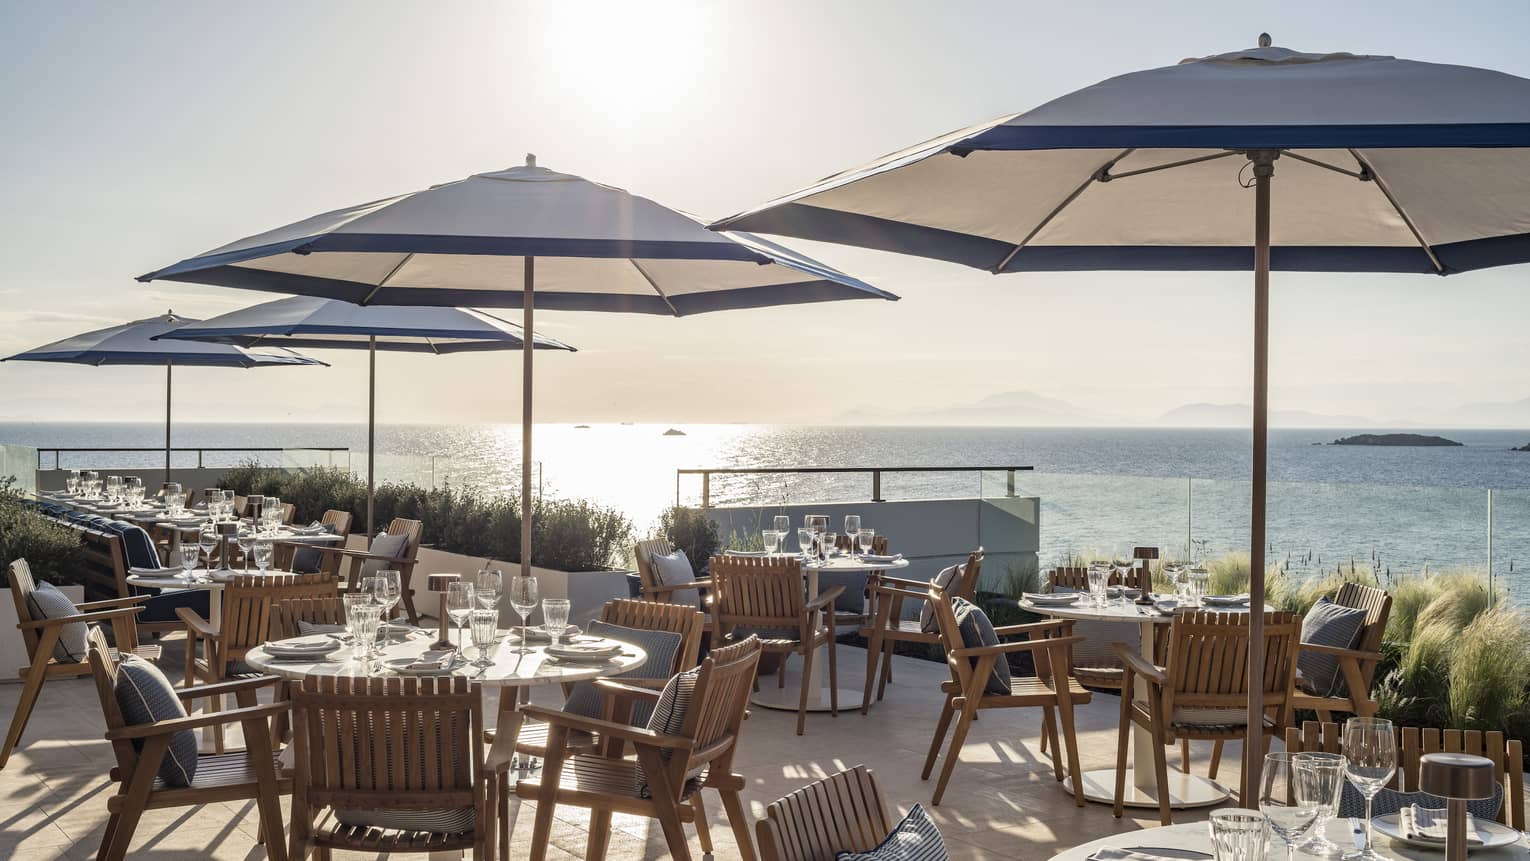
x: 706, y: 474
x: 200, y: 450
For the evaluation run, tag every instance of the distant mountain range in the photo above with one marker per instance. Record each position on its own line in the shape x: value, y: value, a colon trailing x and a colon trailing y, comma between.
x: 1242, y: 415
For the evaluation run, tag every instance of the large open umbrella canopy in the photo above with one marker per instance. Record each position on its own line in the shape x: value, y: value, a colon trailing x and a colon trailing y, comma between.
x: 314, y: 323
x: 134, y: 344
x: 1384, y: 165
x: 519, y: 238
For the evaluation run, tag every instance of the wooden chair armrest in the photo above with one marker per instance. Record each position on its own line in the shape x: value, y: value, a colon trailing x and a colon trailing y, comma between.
x: 362, y: 555
x: 165, y: 727
x: 195, y: 624
x: 630, y: 688
x: 901, y: 583
x: 1340, y: 652
x: 1019, y: 646
x: 196, y: 692
x: 501, y: 755
x: 1034, y: 627
x: 114, y: 602
x: 96, y: 616
x: 607, y: 729
x: 1140, y: 665
x: 824, y: 599
x: 899, y: 593
x: 700, y: 583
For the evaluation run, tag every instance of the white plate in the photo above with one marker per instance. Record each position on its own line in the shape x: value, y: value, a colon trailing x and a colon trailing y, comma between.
x: 401, y: 666
x: 1052, y: 600
x: 584, y: 660
x: 1494, y: 835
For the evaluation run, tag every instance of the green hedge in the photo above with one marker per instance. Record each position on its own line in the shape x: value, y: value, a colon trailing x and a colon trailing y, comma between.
x: 52, y: 550
x: 568, y: 535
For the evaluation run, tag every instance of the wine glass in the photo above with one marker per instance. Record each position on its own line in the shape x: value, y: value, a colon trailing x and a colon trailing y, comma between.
x: 1174, y: 571
x: 392, y: 590
x: 1288, y: 811
x: 459, y: 605
x: 819, y: 523
x: 246, y: 545
x: 1370, y: 761
x: 72, y: 483
x: 1124, y: 564
x: 852, y: 529
x: 866, y: 539
x: 487, y: 584
x: 207, y: 539
x: 805, y: 541
x: 272, y: 507
x: 768, y: 541
x: 133, y: 490
x: 190, y: 552
x: 264, y: 549
x: 485, y: 631
x: 523, y: 600
x: 783, y: 524
x: 1321, y: 780
x: 555, y: 617
x: 228, y: 505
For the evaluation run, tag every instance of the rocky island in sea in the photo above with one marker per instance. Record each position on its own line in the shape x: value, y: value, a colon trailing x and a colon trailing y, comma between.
x: 1393, y: 439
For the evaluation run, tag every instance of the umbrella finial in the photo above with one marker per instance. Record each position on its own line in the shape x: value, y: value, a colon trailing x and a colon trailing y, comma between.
x: 1264, y: 40
x: 531, y: 159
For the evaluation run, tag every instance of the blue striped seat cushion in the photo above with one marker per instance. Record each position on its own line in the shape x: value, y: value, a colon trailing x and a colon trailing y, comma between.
x: 47, y: 602
x: 661, y: 647
x: 1327, y: 624
x: 914, y: 839
x: 145, y: 696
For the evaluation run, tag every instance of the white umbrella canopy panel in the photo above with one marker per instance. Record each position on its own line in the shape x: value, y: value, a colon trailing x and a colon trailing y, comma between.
x: 314, y: 323
x: 1383, y: 165
x: 521, y: 238
x: 134, y: 344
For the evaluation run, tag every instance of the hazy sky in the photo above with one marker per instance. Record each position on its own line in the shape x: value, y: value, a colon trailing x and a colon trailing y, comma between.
x: 139, y: 134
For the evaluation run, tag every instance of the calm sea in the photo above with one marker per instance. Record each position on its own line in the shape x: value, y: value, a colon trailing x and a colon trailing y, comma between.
x: 1404, y: 508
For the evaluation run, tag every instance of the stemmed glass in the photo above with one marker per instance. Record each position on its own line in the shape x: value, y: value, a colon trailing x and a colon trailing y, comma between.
x: 523, y: 599
x: 555, y: 617
x: 459, y: 606
x: 246, y: 545
x: 1123, y: 565
x: 264, y: 548
x: 487, y: 584
x: 852, y: 529
x: 805, y: 541
x: 392, y: 590
x: 1288, y: 810
x: 866, y: 539
x: 1370, y: 760
x: 207, y: 539
x: 783, y: 525
x: 190, y: 552
x: 1321, y: 781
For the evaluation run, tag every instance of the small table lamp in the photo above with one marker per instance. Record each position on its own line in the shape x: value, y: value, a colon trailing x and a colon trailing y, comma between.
x: 440, y: 583
x: 1459, y: 778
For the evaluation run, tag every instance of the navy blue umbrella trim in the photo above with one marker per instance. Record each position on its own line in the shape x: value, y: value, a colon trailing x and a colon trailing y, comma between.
x: 1024, y: 137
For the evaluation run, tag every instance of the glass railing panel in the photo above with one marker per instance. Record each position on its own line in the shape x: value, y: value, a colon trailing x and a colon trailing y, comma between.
x: 1510, y: 549
x: 19, y: 463
x: 1097, y: 516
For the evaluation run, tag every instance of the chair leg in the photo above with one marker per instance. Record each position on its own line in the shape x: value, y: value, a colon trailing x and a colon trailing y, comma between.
x: 1123, y: 735
x: 106, y: 838
x: 703, y: 828
x: 1049, y: 732
x: 1069, y: 742
x: 781, y: 674
x: 666, y: 808
x: 600, y: 834
x: 36, y: 674
x: 873, y: 651
x: 547, y: 797
x: 886, y: 674
x: 1161, y: 776
x: 135, y: 795
x: 739, y: 822
x: 802, y: 697
x: 1216, y: 759
x: 941, y: 725
x: 503, y: 815
x: 1184, y: 755
x: 414, y: 615
x: 833, y: 679
x: 958, y: 738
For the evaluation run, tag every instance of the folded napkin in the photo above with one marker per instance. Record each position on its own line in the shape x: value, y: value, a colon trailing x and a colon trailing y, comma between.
x: 307, y: 530
x: 1225, y: 600
x: 882, y: 560
x: 433, y: 659
x: 157, y: 572
x: 1051, y: 597
x: 606, y: 648
x: 313, y: 646
x: 1428, y: 825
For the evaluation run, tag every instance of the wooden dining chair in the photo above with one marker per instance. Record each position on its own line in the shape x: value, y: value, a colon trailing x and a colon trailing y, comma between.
x: 888, y: 628
x: 339, y: 523
x: 695, y: 751
x: 386, y: 765
x: 1357, y: 666
x: 247, y: 600
x: 843, y: 812
x: 251, y: 774
x: 1507, y: 754
x: 1201, y: 692
x: 847, y: 620
x: 765, y: 595
x: 1052, y: 689
x: 40, y: 636
x: 1094, y: 661
x: 364, y: 562
x: 650, y: 585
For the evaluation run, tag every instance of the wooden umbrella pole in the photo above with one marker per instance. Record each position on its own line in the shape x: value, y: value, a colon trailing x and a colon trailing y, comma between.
x: 169, y: 368
x: 371, y: 428
x: 527, y: 294
x: 1253, y: 745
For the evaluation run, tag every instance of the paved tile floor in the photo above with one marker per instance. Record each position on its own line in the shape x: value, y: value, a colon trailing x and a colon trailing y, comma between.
x: 1002, y: 801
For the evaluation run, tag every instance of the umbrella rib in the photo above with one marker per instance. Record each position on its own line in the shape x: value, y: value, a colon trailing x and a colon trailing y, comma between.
x: 1439, y: 267
x: 654, y: 285
x: 1106, y: 176
x: 386, y: 278
x: 1094, y: 175
x: 1363, y: 174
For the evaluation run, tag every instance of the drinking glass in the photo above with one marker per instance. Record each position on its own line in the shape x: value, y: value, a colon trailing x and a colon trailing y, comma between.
x: 866, y: 539
x: 361, y: 622
x: 1237, y: 835
x: 1174, y: 571
x: 373, y: 587
x: 246, y: 545
x: 264, y: 548
x: 487, y: 584
x: 523, y: 600
x: 190, y: 552
x: 805, y: 541
x: 783, y: 524
x: 459, y: 606
x: 255, y: 504
x: 1370, y: 760
x: 72, y: 483
x: 484, y: 625
x: 1099, y: 583
x: 228, y: 506
x: 134, y: 490
x: 768, y: 540
x: 826, y: 542
x: 207, y: 539
x: 272, y: 506
x: 175, y: 499
x: 852, y: 529
x: 1321, y: 780
x: 555, y: 617
x: 819, y: 523
x: 1200, y: 584
x: 1289, y: 812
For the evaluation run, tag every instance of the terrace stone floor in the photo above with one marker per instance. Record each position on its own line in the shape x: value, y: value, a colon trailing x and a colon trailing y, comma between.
x: 1002, y: 801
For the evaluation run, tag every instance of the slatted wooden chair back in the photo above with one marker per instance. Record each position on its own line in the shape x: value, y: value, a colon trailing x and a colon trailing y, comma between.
x: 287, y: 612
x: 844, y: 812
x: 846, y: 544
x: 643, y: 553
x: 757, y: 591
x: 971, y: 572
x: 1507, y: 755
x: 1377, y: 605
x: 950, y: 635
x: 717, y: 710
x: 289, y: 510
x: 395, y: 743
x: 1076, y: 578
x: 680, y: 619
x: 247, y: 601
x: 1208, y: 660
x: 22, y: 587
x: 103, y: 668
x: 242, y: 505
x: 340, y: 520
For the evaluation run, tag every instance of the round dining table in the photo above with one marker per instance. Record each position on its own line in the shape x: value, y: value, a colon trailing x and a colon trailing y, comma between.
x: 1192, y: 840
x: 1185, y: 790
x: 211, y: 582
x: 785, y: 698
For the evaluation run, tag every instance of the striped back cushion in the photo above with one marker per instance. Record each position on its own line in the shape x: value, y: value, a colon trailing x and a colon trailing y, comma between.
x: 145, y: 696
x: 137, y: 546
x: 1328, y: 624
x: 661, y: 647
x: 944, y: 579
x: 668, y: 716
x: 47, y: 602
x: 914, y: 839
x: 976, y: 631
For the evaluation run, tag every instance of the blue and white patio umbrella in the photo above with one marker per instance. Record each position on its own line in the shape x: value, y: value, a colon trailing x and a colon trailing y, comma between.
x: 1379, y: 165
x: 134, y: 344
x: 329, y: 324
x: 520, y: 238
